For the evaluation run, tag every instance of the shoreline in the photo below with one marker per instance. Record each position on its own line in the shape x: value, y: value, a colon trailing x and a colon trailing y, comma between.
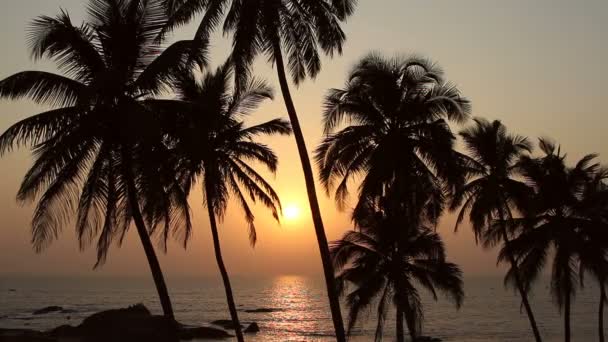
x: 134, y: 323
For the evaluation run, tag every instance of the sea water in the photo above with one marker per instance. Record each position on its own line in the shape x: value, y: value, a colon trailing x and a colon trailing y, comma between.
x: 298, y: 307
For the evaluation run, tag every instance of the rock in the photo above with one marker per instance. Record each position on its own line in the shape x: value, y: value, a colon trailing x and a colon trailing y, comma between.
x: 264, y: 310
x: 22, y: 335
x: 67, y: 311
x: 131, y: 324
x: 65, y: 331
x: 224, y: 323
x: 48, y: 309
x: 186, y: 333
x: 252, y: 328
x: 12, y: 290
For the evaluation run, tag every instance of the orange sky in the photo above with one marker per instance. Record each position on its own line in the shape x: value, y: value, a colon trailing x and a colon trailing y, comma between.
x: 538, y: 66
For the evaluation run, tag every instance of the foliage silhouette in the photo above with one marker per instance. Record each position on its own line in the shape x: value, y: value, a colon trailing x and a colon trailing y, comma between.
x: 396, y: 112
x: 95, y: 150
x: 492, y: 190
x: 296, y: 29
x: 210, y: 142
x: 593, y: 259
x: 393, y: 248
x: 554, y: 224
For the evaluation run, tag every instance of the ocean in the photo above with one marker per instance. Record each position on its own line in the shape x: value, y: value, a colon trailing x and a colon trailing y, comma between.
x: 490, y: 312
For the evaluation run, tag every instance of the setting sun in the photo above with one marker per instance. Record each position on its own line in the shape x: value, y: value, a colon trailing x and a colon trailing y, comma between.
x: 291, y: 212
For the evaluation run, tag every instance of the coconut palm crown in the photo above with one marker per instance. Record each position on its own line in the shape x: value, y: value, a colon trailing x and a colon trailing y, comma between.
x: 396, y: 113
x: 392, y: 250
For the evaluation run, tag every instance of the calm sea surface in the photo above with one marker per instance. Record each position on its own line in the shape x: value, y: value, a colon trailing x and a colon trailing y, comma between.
x: 490, y: 313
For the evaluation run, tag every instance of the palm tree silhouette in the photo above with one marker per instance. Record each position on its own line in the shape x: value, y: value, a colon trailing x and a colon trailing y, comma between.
x: 593, y: 258
x: 397, y: 111
x: 93, y: 149
x: 492, y: 189
x: 393, y: 248
x: 274, y: 28
x: 553, y: 221
x: 211, y: 142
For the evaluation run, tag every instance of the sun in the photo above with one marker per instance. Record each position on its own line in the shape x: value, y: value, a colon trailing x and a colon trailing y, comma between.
x: 291, y: 212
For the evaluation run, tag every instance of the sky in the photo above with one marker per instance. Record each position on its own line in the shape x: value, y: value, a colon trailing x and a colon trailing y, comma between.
x: 539, y: 66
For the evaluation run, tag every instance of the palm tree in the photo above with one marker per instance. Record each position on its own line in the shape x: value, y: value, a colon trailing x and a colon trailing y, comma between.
x: 212, y: 142
x: 389, y: 252
x: 594, y: 258
x: 397, y: 111
x: 492, y: 189
x: 553, y: 222
x: 94, y: 148
x: 297, y: 28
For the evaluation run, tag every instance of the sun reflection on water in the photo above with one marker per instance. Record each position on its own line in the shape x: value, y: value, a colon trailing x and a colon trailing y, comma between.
x: 300, y: 308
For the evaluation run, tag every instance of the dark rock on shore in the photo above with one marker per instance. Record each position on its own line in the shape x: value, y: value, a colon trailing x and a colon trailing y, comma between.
x: 65, y: 331
x: 48, y: 309
x: 252, y: 328
x: 224, y: 323
x: 23, y: 335
x: 133, y: 324
x: 202, y: 332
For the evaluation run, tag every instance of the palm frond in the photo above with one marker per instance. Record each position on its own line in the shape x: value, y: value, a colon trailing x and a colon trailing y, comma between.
x: 72, y: 48
x: 41, y: 127
x: 160, y: 74
x: 43, y: 88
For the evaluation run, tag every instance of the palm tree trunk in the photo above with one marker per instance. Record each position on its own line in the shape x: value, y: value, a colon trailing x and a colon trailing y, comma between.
x: 144, y: 237
x: 601, y: 311
x: 400, y: 331
x: 567, y: 318
x: 334, y: 302
x: 220, y: 264
x: 522, y: 291
x: 411, y: 325
x: 520, y: 286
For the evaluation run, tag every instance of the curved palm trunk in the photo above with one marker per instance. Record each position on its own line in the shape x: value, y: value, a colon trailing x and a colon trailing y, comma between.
x: 520, y: 286
x: 220, y: 264
x: 522, y: 291
x: 601, y: 311
x: 328, y: 269
x: 144, y: 237
x: 400, y: 331
x: 567, y: 318
x: 157, y: 273
x: 411, y: 324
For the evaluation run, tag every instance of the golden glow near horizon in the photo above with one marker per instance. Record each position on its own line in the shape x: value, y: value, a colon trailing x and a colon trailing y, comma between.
x: 291, y: 212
